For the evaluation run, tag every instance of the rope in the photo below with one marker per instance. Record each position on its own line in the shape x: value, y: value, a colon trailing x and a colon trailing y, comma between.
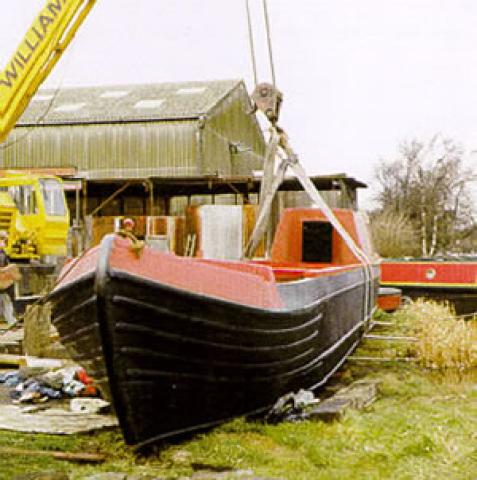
x: 19, y: 138
x: 251, y: 43
x: 269, y: 40
x: 291, y: 161
x: 137, y: 246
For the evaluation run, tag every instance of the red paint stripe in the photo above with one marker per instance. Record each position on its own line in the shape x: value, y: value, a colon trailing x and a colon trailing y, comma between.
x: 430, y: 273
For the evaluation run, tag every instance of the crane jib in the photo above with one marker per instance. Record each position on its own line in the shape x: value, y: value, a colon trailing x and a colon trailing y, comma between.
x: 43, y: 26
x: 45, y: 41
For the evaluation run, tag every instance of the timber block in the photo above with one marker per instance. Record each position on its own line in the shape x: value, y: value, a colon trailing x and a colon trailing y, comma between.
x: 358, y: 395
x: 41, y: 338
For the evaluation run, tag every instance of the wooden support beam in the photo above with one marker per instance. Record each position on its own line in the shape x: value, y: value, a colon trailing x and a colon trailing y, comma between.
x: 9, y: 360
x: 390, y: 338
x: 110, y: 198
x: 360, y: 358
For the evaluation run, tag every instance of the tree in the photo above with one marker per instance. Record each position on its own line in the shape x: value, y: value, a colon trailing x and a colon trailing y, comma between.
x: 428, y: 184
x: 393, y: 234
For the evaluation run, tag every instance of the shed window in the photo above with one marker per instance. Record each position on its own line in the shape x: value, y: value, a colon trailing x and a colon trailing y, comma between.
x: 70, y: 107
x: 42, y: 98
x: 114, y: 94
x: 152, y: 103
x: 190, y: 91
x: 317, y: 242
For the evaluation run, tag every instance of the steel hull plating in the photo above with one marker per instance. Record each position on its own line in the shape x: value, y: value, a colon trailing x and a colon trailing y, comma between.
x: 175, y: 361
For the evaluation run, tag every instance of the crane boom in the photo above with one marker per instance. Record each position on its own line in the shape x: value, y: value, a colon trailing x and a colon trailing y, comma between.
x: 49, y: 35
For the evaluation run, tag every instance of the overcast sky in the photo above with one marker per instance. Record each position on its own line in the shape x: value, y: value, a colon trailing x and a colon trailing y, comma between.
x: 358, y: 76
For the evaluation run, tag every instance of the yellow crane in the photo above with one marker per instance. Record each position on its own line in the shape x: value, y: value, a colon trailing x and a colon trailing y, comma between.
x: 34, y: 214
x: 32, y: 207
x: 45, y: 41
x: 33, y: 210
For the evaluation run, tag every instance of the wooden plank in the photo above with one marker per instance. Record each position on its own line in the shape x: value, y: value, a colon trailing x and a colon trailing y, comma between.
x: 10, y: 360
x: 54, y: 420
x: 7, y: 359
x: 390, y: 338
x: 360, y: 358
x: 68, y: 456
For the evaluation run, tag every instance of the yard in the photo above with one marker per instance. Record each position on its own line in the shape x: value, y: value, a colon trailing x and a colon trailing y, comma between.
x: 422, y: 426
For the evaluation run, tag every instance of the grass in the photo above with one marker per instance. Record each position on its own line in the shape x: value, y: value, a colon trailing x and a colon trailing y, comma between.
x: 443, y: 340
x: 423, y: 426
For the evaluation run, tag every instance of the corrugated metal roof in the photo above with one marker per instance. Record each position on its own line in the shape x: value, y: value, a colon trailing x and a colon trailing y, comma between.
x: 123, y: 103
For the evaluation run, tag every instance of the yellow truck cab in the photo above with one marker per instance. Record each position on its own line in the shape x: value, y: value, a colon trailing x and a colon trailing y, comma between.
x: 34, y: 213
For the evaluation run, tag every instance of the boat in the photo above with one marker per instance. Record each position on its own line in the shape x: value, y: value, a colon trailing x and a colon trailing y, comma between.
x: 441, y: 278
x: 389, y: 299
x: 180, y: 344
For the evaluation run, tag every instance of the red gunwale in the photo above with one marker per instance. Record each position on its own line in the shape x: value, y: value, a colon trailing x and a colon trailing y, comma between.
x: 288, y: 272
x: 251, y: 283
x: 444, y: 274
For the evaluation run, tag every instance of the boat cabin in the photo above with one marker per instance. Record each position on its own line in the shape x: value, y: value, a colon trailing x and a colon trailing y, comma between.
x: 307, y: 245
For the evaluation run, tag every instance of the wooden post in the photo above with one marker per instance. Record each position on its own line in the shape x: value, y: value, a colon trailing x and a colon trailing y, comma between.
x: 38, y: 340
x: 37, y: 330
x: 84, y: 212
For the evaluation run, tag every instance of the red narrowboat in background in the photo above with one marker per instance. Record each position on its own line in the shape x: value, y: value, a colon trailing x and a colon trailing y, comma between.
x: 453, y: 280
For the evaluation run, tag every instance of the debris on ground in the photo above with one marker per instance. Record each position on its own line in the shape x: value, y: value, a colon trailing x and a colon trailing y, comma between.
x: 291, y: 407
x: 304, y: 406
x: 89, y: 405
x: 38, y: 385
x: 62, y: 401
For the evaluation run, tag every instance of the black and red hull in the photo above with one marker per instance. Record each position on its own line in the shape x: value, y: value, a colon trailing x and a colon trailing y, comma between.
x: 174, y: 361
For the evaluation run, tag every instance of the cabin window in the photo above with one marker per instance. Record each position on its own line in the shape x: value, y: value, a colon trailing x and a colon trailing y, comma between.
x: 317, y: 242
x: 53, y: 197
x: 24, y: 198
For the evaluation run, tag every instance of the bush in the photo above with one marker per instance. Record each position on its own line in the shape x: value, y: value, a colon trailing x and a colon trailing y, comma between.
x: 393, y: 235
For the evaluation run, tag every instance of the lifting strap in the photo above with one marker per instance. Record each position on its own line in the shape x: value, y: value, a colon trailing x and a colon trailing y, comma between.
x: 291, y: 161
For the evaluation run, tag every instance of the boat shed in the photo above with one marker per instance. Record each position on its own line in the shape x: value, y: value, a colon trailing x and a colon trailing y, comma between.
x: 139, y: 131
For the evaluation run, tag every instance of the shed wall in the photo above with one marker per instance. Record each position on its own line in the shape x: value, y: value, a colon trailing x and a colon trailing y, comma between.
x: 107, y: 151
x: 230, y: 124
